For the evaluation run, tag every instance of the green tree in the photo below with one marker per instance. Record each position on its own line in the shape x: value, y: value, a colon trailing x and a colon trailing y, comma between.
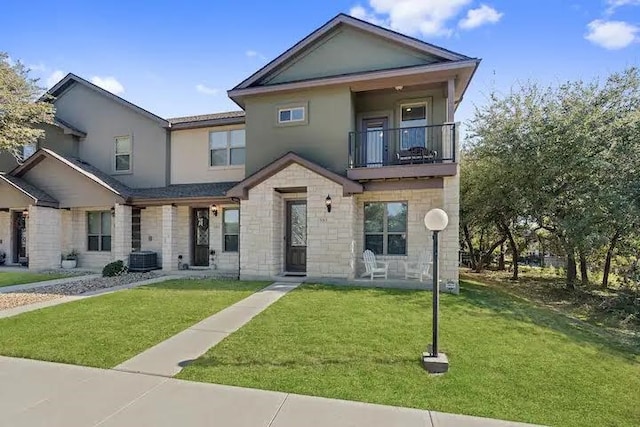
x: 21, y: 110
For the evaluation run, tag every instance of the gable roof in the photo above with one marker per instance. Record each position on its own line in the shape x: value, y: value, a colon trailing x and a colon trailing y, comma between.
x: 342, y: 19
x: 71, y: 79
x: 94, y: 174
x: 39, y: 197
x: 241, y: 189
x: 68, y: 129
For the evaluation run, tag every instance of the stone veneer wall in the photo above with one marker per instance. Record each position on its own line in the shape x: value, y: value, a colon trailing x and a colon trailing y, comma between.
x: 151, y: 230
x: 330, y: 238
x: 44, y: 242
x: 5, y: 235
x: 224, y: 261
x: 88, y: 259
x: 183, y: 237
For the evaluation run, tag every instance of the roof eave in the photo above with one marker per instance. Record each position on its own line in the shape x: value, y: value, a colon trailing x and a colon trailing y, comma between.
x: 207, y: 123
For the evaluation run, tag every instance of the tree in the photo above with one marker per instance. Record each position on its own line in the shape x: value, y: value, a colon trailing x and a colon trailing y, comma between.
x: 21, y: 110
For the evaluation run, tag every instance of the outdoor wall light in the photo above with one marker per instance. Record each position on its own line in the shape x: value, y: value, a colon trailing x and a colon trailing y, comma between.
x: 25, y: 213
x: 214, y: 210
x: 327, y: 202
x: 113, y: 211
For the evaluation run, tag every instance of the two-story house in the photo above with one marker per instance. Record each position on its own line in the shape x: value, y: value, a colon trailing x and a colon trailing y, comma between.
x: 344, y: 142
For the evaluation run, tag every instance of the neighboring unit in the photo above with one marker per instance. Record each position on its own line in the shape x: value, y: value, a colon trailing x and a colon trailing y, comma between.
x: 345, y: 142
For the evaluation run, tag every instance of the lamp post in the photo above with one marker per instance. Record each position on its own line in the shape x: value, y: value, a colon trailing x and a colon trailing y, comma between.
x: 433, y: 361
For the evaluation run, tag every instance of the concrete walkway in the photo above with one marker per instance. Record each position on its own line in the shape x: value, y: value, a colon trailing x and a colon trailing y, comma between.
x: 69, y: 298
x: 34, y: 393
x: 169, y: 357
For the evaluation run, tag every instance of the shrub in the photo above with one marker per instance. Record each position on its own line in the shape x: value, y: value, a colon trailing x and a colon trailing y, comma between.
x: 116, y: 268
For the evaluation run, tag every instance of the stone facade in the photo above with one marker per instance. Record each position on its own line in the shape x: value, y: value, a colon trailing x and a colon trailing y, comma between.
x: 222, y: 261
x: 45, y: 244
x: 5, y: 235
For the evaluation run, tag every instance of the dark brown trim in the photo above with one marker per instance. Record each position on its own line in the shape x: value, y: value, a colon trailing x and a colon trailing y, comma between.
x: 289, y: 190
x: 241, y: 190
x: 185, y: 201
x: 197, y: 124
x: 404, y: 171
x: 407, y: 184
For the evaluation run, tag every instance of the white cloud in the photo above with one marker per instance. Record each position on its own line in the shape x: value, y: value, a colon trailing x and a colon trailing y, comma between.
x: 254, y: 54
x: 54, y: 78
x: 416, y: 17
x: 614, y: 4
x: 611, y: 35
x: 480, y: 16
x: 207, y: 90
x: 108, y: 83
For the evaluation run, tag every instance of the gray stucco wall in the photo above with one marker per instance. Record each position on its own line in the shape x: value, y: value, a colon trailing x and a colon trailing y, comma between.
x: 103, y: 119
x: 348, y: 50
x: 324, y: 139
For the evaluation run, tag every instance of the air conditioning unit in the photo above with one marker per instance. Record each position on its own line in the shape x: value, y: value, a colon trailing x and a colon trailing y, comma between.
x: 143, y: 261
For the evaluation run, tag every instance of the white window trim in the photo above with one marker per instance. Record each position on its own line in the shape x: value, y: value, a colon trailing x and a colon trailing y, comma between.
x: 228, y: 166
x: 290, y: 106
x: 130, y: 154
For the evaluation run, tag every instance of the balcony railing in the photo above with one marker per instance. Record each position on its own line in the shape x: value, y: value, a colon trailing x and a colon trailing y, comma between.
x: 403, y: 146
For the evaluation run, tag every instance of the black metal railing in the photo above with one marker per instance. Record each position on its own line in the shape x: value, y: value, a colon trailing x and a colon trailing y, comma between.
x: 403, y: 146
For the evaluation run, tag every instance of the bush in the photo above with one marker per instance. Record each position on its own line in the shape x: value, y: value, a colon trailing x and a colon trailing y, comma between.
x: 116, y: 268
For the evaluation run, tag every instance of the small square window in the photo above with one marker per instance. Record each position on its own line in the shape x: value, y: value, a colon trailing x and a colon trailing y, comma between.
x: 291, y: 115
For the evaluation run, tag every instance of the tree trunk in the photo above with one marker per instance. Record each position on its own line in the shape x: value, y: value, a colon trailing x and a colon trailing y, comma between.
x: 472, y: 252
x: 514, y: 251
x: 584, y: 273
x: 501, y: 258
x: 571, y: 269
x: 607, y: 261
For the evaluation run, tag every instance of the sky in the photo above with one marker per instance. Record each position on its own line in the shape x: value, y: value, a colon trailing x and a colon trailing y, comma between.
x: 177, y: 58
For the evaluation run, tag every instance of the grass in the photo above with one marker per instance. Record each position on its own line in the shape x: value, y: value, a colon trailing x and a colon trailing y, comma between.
x: 107, y: 330
x: 10, y: 278
x: 510, y: 359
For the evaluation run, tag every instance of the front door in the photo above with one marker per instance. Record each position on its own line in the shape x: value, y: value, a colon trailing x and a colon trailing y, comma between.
x: 296, y: 250
x: 201, y: 237
x: 19, y: 237
x: 376, y: 141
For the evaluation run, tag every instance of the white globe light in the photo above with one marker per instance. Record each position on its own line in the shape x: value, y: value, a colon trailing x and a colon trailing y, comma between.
x: 436, y: 220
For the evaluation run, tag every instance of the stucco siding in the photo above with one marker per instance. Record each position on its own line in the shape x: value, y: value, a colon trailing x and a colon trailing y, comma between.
x: 56, y: 140
x: 10, y: 197
x: 346, y: 51
x: 380, y: 102
x: 103, y: 119
x: 68, y: 186
x: 190, y: 158
x: 324, y: 139
x: 7, y: 161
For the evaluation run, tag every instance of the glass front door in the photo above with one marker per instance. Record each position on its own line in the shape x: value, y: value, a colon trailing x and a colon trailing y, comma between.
x: 296, y: 250
x: 413, y: 119
x: 376, y: 141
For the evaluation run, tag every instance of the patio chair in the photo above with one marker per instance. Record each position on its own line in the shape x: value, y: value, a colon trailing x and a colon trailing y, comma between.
x: 420, y: 269
x: 374, y: 268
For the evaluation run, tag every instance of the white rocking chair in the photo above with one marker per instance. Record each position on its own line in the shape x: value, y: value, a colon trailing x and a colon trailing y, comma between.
x: 419, y: 270
x: 374, y: 268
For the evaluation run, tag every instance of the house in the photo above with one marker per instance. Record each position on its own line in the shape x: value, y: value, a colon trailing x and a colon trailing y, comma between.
x: 344, y: 142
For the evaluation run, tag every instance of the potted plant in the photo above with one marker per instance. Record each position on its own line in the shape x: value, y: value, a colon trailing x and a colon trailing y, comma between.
x: 70, y: 260
x: 3, y: 257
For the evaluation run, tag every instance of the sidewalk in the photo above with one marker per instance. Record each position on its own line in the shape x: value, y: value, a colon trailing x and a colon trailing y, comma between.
x: 170, y: 356
x: 34, y: 393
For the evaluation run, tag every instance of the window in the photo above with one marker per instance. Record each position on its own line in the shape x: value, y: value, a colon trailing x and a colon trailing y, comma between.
x: 99, y: 231
x: 291, y: 115
x: 385, y: 228
x: 413, y: 119
x: 231, y: 229
x: 123, y: 154
x: 227, y: 148
x: 29, y: 149
x: 136, y: 230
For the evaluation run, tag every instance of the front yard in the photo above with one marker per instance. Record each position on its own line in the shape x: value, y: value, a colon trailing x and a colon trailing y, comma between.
x: 10, y: 278
x: 107, y: 330
x: 510, y: 359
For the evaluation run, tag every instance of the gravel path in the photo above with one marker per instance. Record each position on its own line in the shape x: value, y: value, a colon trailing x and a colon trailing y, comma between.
x: 46, y: 293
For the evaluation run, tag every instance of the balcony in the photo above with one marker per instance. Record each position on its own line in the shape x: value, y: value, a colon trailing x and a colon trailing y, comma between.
x: 407, y: 152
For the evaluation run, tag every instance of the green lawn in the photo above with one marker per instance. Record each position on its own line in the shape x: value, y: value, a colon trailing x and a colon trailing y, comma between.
x: 509, y: 359
x: 107, y: 330
x: 10, y: 278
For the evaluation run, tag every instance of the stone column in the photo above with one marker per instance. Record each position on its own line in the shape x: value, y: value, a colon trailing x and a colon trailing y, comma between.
x: 169, y: 238
x: 449, y: 238
x: 122, y: 233
x: 44, y: 239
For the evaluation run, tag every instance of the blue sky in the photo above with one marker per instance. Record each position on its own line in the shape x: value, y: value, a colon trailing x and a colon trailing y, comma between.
x: 179, y: 58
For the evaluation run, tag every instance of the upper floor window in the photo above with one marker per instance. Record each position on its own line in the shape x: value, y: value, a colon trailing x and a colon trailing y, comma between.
x: 226, y: 148
x: 123, y: 154
x: 291, y: 114
x: 29, y: 149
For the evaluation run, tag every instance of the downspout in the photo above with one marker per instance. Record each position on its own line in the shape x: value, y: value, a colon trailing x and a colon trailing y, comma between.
x: 236, y: 199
